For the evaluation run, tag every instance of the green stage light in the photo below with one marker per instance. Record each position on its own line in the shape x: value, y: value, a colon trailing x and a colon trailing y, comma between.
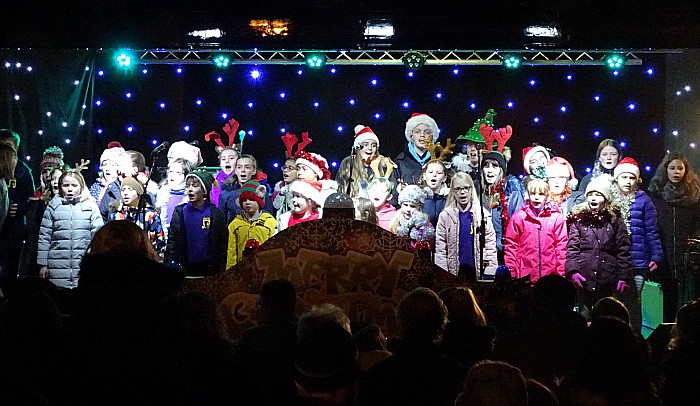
x: 315, y: 60
x: 615, y: 61
x: 512, y: 61
x: 221, y: 61
x: 124, y: 59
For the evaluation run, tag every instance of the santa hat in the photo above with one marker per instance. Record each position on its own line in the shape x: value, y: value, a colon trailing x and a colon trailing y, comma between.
x: 413, y: 193
x: 529, y: 152
x: 114, y: 152
x: 558, y: 167
x: 626, y: 165
x: 52, y: 158
x: 362, y: 134
x: 252, y: 190
x: 420, y: 118
x: 310, y: 190
x: 316, y: 162
x: 133, y: 183
x: 185, y: 150
x: 602, y: 184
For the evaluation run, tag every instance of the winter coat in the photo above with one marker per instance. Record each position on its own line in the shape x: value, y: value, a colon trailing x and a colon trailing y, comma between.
x: 241, y: 230
x: 447, y: 242
x: 14, y: 231
x: 676, y: 223
x: 435, y: 204
x: 646, y: 241
x: 228, y: 198
x: 514, y: 198
x: 223, y: 184
x: 598, y: 247
x: 153, y: 226
x: 165, y: 207
x: 385, y: 215
x: 66, y: 230
x: 535, y: 244
x: 408, y: 169
x: 113, y: 193
x: 176, y: 245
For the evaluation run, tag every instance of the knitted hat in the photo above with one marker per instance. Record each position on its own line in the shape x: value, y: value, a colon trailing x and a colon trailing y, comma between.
x: 496, y: 156
x: 362, y: 134
x: 316, y: 162
x: 252, y: 190
x: 310, y: 190
x: 133, y: 183
x: 529, y: 152
x: 52, y: 158
x: 602, y: 184
x: 420, y: 118
x: 185, y: 150
x: 205, y: 178
x: 626, y: 165
x: 114, y: 152
x: 412, y: 193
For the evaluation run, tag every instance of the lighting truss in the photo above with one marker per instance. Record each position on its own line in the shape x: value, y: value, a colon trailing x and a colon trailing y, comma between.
x: 393, y: 57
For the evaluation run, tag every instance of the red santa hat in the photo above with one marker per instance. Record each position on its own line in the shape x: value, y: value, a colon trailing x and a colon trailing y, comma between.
x: 364, y: 133
x: 558, y: 167
x: 528, y: 154
x: 316, y: 162
x: 310, y: 190
x: 114, y: 152
x: 418, y: 119
x: 626, y: 165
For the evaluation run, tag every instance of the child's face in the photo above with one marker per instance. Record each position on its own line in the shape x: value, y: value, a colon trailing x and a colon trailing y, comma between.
x: 70, y: 187
x: 493, y: 173
x: 299, y: 204
x: 463, y: 193
x: 227, y: 161
x: 46, y: 176
x: 609, y: 157
x: 129, y: 196
x: 306, y: 173
x: 54, y: 181
x: 194, y: 190
x: 537, y: 199
x: 419, y: 135
x: 675, y: 171
x: 289, y: 171
x: 176, y: 175
x: 378, y: 195
x: 245, y: 169
x: 250, y: 207
x: 408, y: 208
x: 434, y: 176
x: 537, y: 159
x: 368, y: 150
x: 595, y: 200
x: 473, y: 153
x: 109, y: 169
x: 627, y: 182
x: 557, y: 184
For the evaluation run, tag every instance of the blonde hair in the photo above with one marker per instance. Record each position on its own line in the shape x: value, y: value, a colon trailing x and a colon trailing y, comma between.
x: 396, y: 221
x: 474, y: 199
x: 84, y: 192
x: 538, y: 186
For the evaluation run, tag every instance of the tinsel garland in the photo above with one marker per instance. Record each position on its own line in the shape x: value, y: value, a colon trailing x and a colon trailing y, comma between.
x: 625, y: 204
x: 594, y: 219
x: 558, y: 199
x: 503, y: 202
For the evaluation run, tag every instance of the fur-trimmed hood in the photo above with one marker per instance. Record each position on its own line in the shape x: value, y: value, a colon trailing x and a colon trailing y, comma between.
x: 582, y: 213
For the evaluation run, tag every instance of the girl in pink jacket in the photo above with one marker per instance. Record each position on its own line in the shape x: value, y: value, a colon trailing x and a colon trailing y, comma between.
x: 536, y: 236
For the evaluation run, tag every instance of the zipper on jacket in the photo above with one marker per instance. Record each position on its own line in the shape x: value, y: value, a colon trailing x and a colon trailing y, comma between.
x: 539, y: 253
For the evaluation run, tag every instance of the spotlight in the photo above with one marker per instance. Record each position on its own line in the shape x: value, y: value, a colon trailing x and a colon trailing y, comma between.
x: 124, y: 59
x: 379, y: 29
x: 543, y: 35
x: 413, y: 60
x: 512, y: 61
x: 615, y: 61
x: 221, y: 60
x: 315, y: 60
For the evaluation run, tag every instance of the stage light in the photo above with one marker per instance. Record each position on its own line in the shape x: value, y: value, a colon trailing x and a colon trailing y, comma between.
x: 315, y: 60
x: 615, y: 61
x: 512, y: 61
x: 543, y: 35
x: 380, y: 28
x: 124, y: 59
x: 413, y: 60
x: 221, y: 60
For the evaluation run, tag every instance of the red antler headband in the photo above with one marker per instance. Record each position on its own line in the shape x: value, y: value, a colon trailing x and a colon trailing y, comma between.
x: 290, y: 139
x: 230, y: 128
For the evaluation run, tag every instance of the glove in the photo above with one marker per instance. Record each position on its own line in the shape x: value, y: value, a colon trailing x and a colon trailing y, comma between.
x: 622, y: 286
x: 578, y: 280
x: 652, y: 266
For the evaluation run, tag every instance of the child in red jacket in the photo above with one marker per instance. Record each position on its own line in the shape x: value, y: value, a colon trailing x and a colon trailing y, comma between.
x: 536, y: 236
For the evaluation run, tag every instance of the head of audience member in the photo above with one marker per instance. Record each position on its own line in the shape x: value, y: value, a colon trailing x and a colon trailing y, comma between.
x: 227, y: 160
x: 554, y: 293
x: 246, y: 168
x: 609, y: 153
x: 422, y: 317
x: 364, y: 210
x: 462, y: 306
x: 610, y: 307
x: 493, y: 383
x: 539, y: 394
x: 320, y: 314
x: 9, y: 137
x: 8, y: 161
x: 121, y: 237
x: 687, y: 327
x: 278, y: 302
x: 327, y: 367
x: 379, y: 191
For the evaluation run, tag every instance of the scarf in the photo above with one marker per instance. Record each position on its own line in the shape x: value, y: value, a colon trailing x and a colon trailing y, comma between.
x: 599, y: 170
x: 680, y: 195
x: 178, y: 190
x: 414, y: 153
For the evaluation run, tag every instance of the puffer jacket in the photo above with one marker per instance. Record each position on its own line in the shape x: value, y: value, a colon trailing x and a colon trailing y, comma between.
x: 228, y: 198
x: 66, y: 230
x: 241, y: 230
x: 447, y: 242
x: 644, y: 231
x: 535, y: 244
x: 515, y: 193
x: 436, y: 203
x: 677, y: 222
x: 598, y: 247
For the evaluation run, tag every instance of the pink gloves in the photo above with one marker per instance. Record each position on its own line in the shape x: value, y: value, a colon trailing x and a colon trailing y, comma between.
x: 622, y: 286
x: 578, y: 280
x: 652, y: 266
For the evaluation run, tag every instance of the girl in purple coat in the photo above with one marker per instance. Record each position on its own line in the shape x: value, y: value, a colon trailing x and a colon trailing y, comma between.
x: 598, y: 251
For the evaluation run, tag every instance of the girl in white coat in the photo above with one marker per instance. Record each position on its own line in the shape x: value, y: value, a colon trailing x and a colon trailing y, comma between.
x: 458, y: 246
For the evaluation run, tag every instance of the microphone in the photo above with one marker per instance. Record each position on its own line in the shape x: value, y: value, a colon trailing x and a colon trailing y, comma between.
x: 160, y: 148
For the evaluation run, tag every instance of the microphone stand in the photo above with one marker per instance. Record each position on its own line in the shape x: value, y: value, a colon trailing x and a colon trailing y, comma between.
x: 142, y: 201
x: 482, y: 226
x: 353, y: 156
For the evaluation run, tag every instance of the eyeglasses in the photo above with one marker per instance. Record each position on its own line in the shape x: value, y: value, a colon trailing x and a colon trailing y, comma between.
x: 462, y: 189
x: 175, y: 173
x: 289, y: 168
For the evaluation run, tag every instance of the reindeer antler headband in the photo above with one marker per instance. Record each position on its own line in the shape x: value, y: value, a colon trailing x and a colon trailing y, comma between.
x: 230, y: 128
x: 290, y: 140
x: 437, y: 151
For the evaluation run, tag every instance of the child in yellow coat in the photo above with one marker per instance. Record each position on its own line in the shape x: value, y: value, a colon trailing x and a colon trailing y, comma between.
x: 251, y: 224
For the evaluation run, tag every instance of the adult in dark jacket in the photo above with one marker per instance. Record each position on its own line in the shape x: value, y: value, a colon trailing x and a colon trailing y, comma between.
x: 198, y: 236
x: 410, y: 162
x: 675, y: 192
x: 598, y: 251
